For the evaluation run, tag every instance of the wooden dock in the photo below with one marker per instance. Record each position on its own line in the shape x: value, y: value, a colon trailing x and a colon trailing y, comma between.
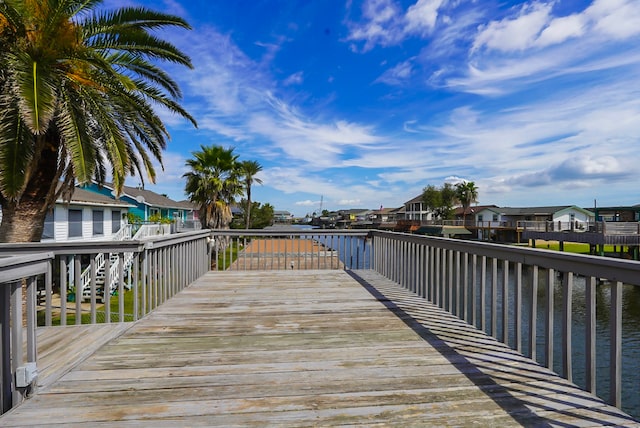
x: 306, y: 348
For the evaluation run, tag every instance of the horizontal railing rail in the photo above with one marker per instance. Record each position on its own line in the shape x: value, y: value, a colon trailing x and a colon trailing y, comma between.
x: 504, y: 289
x: 242, y: 249
x: 17, y: 371
x: 161, y: 266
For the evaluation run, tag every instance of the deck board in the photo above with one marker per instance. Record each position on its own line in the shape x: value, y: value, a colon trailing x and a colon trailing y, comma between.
x: 307, y: 348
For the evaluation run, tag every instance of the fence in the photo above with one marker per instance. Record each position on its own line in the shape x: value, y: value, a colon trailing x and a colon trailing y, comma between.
x: 290, y: 249
x: 16, y: 372
x: 483, y: 284
x: 161, y: 267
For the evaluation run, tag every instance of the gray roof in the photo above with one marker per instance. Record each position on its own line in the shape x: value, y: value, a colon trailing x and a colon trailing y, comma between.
x: 188, y: 205
x: 147, y: 197
x: 414, y: 200
x: 86, y: 197
x: 531, y: 210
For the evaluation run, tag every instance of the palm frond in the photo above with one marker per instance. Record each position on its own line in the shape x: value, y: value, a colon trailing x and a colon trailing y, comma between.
x: 16, y: 151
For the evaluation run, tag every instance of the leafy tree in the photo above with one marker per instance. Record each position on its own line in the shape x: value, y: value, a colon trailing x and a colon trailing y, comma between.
x: 77, y: 91
x: 466, y: 194
x: 248, y: 170
x: 263, y: 216
x: 440, y: 200
x: 213, y: 183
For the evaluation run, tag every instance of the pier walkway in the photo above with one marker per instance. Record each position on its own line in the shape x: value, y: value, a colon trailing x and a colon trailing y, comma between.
x: 306, y: 348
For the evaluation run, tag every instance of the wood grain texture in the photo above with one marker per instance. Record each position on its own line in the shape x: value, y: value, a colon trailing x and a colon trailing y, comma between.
x: 307, y: 348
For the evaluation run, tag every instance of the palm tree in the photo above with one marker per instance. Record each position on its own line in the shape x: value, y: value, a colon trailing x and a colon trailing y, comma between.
x: 248, y: 170
x: 213, y: 183
x: 466, y: 193
x: 77, y: 91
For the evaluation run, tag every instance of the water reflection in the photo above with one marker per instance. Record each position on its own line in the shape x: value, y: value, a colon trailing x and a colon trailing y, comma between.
x: 630, y: 329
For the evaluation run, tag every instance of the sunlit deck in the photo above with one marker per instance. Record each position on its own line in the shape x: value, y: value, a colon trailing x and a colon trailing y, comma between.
x: 306, y: 348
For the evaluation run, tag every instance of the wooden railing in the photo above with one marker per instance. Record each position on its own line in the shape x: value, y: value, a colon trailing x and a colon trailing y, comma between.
x: 16, y: 371
x: 239, y: 249
x: 484, y: 283
x: 161, y: 267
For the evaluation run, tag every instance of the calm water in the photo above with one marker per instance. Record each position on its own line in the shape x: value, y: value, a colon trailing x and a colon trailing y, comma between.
x: 630, y: 322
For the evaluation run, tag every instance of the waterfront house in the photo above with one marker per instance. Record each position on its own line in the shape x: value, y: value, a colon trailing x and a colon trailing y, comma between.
x: 282, y: 217
x: 146, y: 203
x: 415, y: 209
x: 564, y: 214
x: 617, y: 213
x: 86, y: 216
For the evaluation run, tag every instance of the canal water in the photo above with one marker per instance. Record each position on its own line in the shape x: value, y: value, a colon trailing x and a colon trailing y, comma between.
x: 358, y: 258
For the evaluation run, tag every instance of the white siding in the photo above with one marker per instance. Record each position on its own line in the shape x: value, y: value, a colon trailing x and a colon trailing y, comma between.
x: 565, y: 217
x: 61, y: 226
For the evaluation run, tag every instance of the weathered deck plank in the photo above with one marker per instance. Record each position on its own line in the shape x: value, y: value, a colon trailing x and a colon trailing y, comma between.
x: 307, y: 348
x: 74, y: 342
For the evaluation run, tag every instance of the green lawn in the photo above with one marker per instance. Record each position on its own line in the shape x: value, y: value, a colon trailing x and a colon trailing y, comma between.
x: 114, y: 303
x: 229, y: 256
x: 574, y: 247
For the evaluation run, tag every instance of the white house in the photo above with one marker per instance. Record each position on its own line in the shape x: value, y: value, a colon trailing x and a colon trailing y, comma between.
x: 563, y: 217
x: 87, y: 216
x: 416, y: 210
x: 488, y: 217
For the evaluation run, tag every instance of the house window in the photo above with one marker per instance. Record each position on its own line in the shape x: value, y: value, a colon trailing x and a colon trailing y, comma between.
x: 153, y: 212
x: 48, y: 231
x: 75, y: 223
x: 495, y: 217
x: 98, y: 222
x: 115, y: 221
x: 479, y: 217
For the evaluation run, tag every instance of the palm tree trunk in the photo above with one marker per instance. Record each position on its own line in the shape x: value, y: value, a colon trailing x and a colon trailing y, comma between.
x: 23, y: 220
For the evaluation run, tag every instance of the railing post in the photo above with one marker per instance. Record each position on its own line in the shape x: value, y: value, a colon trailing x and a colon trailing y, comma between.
x: 567, y: 291
x: 48, y: 287
x: 63, y: 290
x: 6, y: 377
x: 590, y: 334
x: 615, y: 328
x: 121, y: 287
x: 16, y: 336
x: 106, y: 288
x: 494, y: 297
x: 483, y: 297
x: 548, y: 334
x: 505, y: 302
x: 533, y: 314
x: 517, y: 321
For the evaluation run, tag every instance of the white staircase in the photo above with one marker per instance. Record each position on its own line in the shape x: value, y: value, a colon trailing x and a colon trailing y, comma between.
x: 114, y: 263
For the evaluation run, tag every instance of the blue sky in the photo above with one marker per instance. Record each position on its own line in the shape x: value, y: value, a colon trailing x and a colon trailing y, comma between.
x: 364, y: 103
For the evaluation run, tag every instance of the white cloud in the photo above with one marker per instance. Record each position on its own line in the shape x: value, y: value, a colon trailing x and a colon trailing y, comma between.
x: 615, y: 18
x: 385, y: 23
x: 513, y: 34
x: 349, y: 202
x: 307, y: 203
x: 535, y: 26
x: 398, y: 74
x: 532, y: 45
x: 561, y: 29
x: 381, y: 24
x: 421, y: 17
x: 294, y: 79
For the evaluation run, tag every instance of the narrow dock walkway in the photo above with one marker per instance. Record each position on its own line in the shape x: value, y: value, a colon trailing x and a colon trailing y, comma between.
x: 307, y: 348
